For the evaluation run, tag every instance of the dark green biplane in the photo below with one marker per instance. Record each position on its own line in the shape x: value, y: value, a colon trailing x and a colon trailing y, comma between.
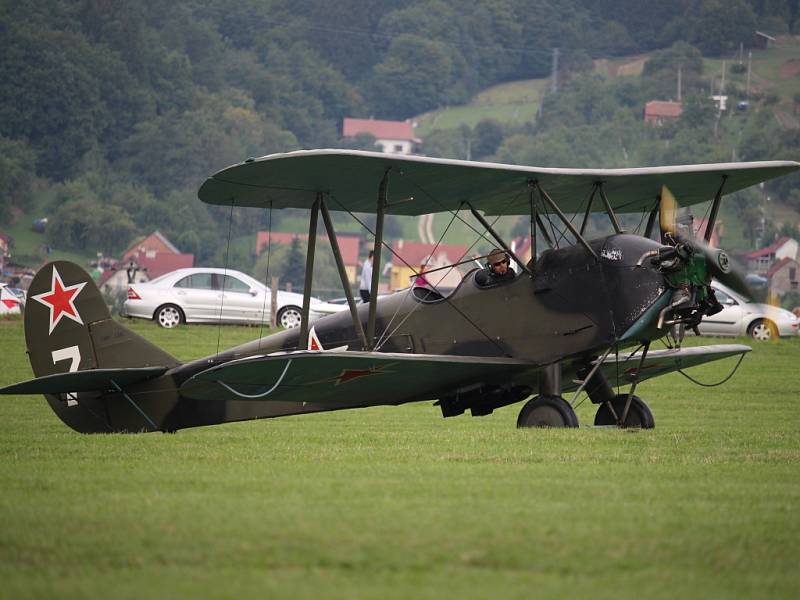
x: 579, y: 317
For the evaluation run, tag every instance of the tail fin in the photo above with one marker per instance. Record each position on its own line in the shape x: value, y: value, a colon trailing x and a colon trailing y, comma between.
x: 68, y: 328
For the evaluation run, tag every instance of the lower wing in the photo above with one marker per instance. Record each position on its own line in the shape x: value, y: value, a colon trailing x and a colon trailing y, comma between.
x: 360, y: 378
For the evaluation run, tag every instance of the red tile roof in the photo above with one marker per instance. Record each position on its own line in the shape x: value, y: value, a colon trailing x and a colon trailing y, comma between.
x: 156, y: 241
x: 779, y: 265
x: 414, y: 253
x: 663, y: 108
x: 165, y: 263
x: 771, y: 249
x: 349, y: 245
x: 392, y: 130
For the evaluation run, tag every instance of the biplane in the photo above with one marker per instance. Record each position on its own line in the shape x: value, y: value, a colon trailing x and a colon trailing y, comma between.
x: 576, y: 321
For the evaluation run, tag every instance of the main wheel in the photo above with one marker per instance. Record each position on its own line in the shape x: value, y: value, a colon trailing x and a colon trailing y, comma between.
x: 547, y: 411
x: 762, y: 330
x: 639, y: 415
x: 169, y: 316
x: 289, y: 317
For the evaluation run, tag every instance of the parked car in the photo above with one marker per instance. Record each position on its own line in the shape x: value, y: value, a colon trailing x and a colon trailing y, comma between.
x: 10, y: 301
x: 198, y: 295
x: 740, y: 317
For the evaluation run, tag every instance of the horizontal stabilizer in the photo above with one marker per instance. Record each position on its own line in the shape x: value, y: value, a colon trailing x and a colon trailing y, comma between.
x: 661, y: 362
x: 360, y: 378
x: 93, y: 380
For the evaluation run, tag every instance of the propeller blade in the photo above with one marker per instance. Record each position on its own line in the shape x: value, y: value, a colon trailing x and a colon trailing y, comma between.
x: 668, y: 212
x: 722, y: 269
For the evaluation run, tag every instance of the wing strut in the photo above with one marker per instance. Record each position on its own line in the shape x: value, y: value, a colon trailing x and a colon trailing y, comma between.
x: 712, y: 218
x: 383, y: 191
x: 589, y: 208
x: 609, y: 210
x: 554, y: 207
x: 337, y: 255
x: 499, y: 240
x: 312, y: 244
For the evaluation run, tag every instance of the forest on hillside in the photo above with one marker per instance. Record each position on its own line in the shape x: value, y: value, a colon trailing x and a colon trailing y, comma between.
x: 116, y: 111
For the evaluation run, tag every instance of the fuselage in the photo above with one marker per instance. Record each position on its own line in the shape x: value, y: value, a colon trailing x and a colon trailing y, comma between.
x: 574, y: 304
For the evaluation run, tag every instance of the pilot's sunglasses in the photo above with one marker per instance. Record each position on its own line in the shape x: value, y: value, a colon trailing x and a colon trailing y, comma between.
x: 502, y: 262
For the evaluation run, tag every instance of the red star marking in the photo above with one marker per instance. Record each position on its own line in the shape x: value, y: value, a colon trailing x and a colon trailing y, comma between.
x: 350, y: 374
x: 634, y: 370
x: 10, y: 303
x: 60, y: 300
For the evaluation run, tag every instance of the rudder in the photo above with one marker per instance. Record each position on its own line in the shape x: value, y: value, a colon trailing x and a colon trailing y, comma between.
x: 68, y: 328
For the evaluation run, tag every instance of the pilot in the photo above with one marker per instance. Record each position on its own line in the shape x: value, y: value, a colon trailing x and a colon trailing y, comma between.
x: 497, y: 269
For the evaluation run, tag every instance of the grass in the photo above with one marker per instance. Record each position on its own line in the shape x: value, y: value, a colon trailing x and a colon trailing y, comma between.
x: 398, y: 503
x: 766, y: 65
x: 515, y: 103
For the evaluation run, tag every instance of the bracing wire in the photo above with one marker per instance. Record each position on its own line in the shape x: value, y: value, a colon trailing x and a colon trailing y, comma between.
x: 389, y: 248
x: 693, y: 380
x: 225, y: 275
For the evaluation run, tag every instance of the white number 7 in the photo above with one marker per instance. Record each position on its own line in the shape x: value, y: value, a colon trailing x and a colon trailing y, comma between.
x: 72, y: 353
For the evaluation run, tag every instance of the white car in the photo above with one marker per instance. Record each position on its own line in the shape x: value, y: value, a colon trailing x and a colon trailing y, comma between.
x: 198, y: 295
x: 740, y: 317
x: 10, y: 303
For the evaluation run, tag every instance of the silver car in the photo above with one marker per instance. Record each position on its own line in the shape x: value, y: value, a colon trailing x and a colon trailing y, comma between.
x: 740, y: 317
x: 200, y: 295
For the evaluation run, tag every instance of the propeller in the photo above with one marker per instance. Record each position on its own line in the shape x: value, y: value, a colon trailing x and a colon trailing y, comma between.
x: 717, y: 261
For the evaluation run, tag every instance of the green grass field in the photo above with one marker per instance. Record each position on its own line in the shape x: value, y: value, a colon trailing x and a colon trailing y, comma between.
x: 515, y: 103
x: 400, y: 503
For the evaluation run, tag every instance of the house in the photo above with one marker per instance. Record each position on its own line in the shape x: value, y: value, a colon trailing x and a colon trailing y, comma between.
x: 782, y: 277
x: 408, y: 256
x: 395, y: 137
x: 761, y: 40
x: 699, y: 227
x: 661, y: 112
x: 142, y: 261
x: 5, y: 252
x: 761, y: 261
x: 349, y: 246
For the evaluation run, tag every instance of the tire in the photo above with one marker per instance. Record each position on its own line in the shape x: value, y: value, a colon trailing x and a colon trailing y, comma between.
x: 762, y: 330
x: 547, y: 411
x: 289, y: 317
x: 169, y: 316
x: 639, y: 415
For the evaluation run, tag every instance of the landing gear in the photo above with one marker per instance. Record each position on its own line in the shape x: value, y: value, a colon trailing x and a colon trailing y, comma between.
x: 547, y: 411
x: 611, y: 413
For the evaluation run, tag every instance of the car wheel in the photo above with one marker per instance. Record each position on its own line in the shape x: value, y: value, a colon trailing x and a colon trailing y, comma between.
x: 289, y: 317
x: 168, y: 316
x: 762, y: 330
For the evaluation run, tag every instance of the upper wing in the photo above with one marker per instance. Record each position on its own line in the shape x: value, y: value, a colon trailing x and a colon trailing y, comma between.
x: 421, y: 185
x: 360, y: 378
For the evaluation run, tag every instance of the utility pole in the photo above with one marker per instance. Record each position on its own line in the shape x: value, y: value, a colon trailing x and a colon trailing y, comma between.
x: 719, y: 110
x: 749, y: 64
x: 680, y: 73
x: 554, y: 84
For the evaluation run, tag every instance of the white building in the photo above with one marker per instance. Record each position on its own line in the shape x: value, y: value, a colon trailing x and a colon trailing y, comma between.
x: 395, y: 137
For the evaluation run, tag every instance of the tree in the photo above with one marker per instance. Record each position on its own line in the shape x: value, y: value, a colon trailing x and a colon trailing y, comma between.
x: 719, y: 26
x: 17, y: 170
x: 488, y: 135
x: 293, y: 269
x: 417, y: 75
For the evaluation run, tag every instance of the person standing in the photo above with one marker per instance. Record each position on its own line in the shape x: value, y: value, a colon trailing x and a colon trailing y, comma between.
x: 365, y: 283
